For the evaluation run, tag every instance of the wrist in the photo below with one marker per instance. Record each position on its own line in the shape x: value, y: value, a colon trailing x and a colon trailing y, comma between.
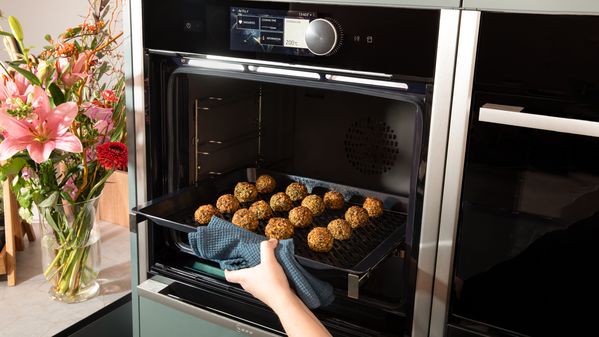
x: 282, y: 299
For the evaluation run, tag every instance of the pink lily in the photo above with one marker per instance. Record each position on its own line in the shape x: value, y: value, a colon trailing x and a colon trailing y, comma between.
x: 46, y: 130
x: 77, y: 71
x: 11, y: 90
x: 103, y: 117
x: 70, y: 187
x: 91, y: 153
x: 95, y: 112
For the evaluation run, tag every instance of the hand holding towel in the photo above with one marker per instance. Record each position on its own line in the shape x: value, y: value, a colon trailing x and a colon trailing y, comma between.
x: 236, y: 248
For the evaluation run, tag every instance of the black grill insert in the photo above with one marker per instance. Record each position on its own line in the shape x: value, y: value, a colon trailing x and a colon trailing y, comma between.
x: 367, y: 246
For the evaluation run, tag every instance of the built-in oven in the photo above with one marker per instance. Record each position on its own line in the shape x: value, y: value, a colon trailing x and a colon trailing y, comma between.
x: 345, y: 98
x: 527, y: 209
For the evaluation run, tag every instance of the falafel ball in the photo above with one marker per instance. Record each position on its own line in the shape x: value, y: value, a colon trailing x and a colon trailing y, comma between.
x: 300, y: 216
x: 227, y: 203
x: 204, y: 213
x: 314, y: 204
x: 340, y: 229
x: 356, y: 216
x: 296, y: 191
x: 245, y: 192
x: 245, y: 219
x: 279, y: 228
x: 280, y: 202
x: 320, y: 240
x: 265, y: 184
x: 333, y: 200
x: 261, y: 209
x: 373, y: 206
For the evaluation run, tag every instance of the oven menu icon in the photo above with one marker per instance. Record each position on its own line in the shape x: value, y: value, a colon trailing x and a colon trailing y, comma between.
x: 270, y: 31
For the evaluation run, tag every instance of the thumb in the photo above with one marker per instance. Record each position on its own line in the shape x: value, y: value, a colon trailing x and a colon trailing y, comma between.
x: 267, y: 251
x: 235, y: 276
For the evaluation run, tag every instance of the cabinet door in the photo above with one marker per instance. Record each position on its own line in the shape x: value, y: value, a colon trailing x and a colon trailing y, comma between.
x: 545, y: 6
x: 157, y: 320
x: 528, y: 221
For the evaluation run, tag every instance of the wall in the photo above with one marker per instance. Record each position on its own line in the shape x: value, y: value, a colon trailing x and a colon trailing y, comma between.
x: 39, y: 18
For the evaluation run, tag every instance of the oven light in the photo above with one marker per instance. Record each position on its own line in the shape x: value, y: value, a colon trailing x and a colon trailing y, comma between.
x: 285, y: 72
x: 214, y: 64
x: 357, y: 80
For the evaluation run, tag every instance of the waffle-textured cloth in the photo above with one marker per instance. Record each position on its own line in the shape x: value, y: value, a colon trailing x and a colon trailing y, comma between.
x: 236, y: 248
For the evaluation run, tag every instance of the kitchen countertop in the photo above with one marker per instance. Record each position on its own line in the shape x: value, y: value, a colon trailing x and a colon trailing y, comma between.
x: 26, y: 309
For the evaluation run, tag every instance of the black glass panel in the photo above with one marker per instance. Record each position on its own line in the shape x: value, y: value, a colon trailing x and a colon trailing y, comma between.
x: 388, y: 40
x: 529, y: 219
x: 528, y: 226
x: 539, y: 55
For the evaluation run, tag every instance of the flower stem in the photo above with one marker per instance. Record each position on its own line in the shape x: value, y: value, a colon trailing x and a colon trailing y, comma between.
x: 51, y: 266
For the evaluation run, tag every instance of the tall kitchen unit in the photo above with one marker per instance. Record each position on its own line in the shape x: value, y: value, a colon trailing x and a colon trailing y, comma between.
x: 520, y: 214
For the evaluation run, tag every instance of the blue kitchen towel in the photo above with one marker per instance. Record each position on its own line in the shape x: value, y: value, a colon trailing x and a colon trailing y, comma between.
x: 236, y: 248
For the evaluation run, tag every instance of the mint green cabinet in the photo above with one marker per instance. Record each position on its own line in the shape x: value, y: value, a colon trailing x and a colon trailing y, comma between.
x: 158, y: 320
x: 162, y: 313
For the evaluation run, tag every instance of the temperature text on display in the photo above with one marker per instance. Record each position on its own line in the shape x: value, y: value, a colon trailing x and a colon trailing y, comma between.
x: 270, y: 31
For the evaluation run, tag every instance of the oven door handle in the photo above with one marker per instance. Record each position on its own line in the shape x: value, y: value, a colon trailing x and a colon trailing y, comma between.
x: 157, y: 288
x: 513, y: 115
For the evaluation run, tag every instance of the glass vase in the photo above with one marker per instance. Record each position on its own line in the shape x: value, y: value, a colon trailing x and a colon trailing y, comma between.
x: 71, y: 250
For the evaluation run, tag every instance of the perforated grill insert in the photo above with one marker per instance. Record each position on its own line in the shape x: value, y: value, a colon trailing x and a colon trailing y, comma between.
x: 345, y: 254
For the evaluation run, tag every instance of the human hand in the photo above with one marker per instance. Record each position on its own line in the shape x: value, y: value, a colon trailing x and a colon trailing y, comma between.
x: 266, y: 281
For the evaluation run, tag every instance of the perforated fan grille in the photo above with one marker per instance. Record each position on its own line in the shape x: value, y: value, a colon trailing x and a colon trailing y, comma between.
x: 371, y: 146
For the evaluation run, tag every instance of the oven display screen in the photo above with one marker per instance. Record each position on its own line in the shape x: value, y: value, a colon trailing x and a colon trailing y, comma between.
x: 270, y: 31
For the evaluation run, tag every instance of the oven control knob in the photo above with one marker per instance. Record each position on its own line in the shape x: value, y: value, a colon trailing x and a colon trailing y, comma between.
x: 321, y: 37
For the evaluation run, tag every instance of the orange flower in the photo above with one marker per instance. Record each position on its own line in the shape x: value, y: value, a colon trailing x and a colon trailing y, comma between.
x: 65, y: 49
x: 109, y: 96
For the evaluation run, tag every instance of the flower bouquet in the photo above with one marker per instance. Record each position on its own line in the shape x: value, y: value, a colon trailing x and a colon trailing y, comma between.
x: 62, y: 122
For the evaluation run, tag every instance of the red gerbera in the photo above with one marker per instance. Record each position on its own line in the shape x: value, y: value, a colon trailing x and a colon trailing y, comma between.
x: 112, y: 155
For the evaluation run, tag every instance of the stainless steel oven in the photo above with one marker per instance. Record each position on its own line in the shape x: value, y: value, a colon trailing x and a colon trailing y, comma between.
x: 347, y: 98
x: 521, y: 198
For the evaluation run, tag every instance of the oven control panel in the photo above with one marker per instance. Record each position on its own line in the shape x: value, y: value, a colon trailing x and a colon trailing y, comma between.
x: 388, y: 40
x: 300, y: 33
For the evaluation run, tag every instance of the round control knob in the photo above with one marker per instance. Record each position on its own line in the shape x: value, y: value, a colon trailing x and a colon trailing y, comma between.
x: 321, y: 37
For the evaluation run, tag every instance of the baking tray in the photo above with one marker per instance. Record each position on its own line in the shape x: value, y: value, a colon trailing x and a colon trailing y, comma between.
x: 366, y: 248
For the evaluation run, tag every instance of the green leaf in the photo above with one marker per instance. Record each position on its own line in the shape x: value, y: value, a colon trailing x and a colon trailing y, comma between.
x: 50, y: 201
x: 75, y: 31
x: 26, y: 73
x: 6, y: 33
x: 67, y: 197
x: 26, y: 214
x: 13, y: 167
x: 48, y: 38
x: 18, y: 62
x: 103, y: 69
x: 16, y: 28
x: 56, y: 93
x: 24, y: 198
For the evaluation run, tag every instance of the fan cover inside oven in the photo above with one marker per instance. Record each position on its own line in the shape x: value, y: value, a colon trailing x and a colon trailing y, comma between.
x: 371, y: 146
